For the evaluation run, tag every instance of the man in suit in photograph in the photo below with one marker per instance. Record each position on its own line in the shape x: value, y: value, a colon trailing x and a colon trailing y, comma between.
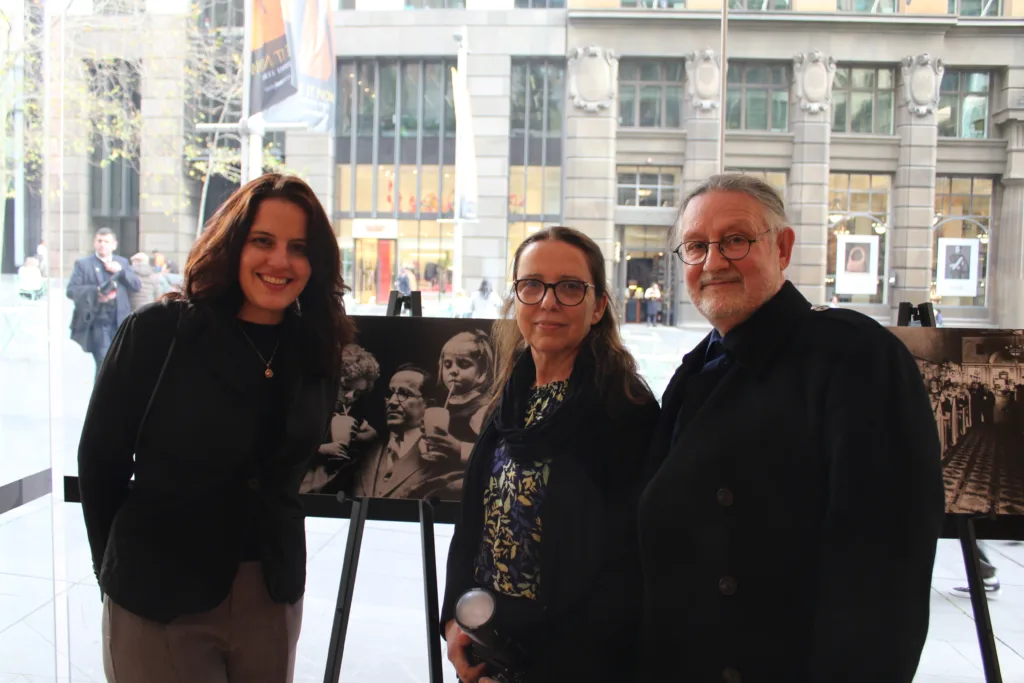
x: 100, y: 286
x: 789, y: 528
x: 395, y: 467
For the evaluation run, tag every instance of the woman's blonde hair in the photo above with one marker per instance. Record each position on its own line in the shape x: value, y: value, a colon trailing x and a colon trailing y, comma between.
x: 616, y: 374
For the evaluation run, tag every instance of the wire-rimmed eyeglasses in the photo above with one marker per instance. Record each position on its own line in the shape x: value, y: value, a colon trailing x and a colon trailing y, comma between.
x: 531, y: 291
x: 732, y: 247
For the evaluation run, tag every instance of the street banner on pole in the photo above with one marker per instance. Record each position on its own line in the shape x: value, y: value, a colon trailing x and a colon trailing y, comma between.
x: 305, y: 29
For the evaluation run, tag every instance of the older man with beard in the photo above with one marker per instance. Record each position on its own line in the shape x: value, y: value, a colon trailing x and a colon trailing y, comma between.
x: 789, y: 527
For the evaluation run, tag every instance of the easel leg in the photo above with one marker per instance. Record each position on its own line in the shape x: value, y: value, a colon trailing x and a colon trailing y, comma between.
x: 430, y: 591
x: 346, y: 590
x: 979, y: 601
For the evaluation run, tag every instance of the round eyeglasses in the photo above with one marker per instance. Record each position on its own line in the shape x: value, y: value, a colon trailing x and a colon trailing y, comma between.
x: 567, y: 292
x: 732, y: 247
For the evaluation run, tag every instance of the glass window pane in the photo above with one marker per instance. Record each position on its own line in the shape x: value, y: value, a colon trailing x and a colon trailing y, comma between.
x: 364, y: 188
x: 388, y: 94
x: 536, y: 85
x: 950, y: 81
x: 650, y: 71
x: 982, y: 186
x: 842, y: 79
x: 553, y: 191
x: 961, y: 186
x: 779, y: 75
x: 861, y: 105
x: 884, y: 114
x: 347, y: 90
x: 534, y: 190
x: 668, y: 196
x: 650, y: 106
x: 647, y: 196
x: 674, y: 72
x: 649, y: 179
x: 733, y: 109
x: 430, y: 190
x: 974, y: 121
x: 734, y: 74
x: 860, y: 202
x: 942, y: 184
x: 627, y: 195
x: 757, y: 75
x: 448, y: 189
x: 879, y: 203
x: 410, y: 99
x: 860, y: 181
x: 516, y: 190
x: 881, y: 182
x: 385, y: 190
x: 780, y: 110
x: 885, y: 79
x: 839, y: 112
x: 862, y: 78
x: 367, y: 95
x: 673, y: 107
x: 449, y: 102
x: 517, y: 121
x: 977, y: 82
x: 627, y: 105
x: 946, y: 116
x: 343, y: 193
x: 407, y: 194
x: 556, y: 99
x: 432, y: 106
x: 629, y: 71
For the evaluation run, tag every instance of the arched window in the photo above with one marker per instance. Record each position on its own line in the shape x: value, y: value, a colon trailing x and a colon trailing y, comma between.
x: 858, y: 224
x: 960, y: 240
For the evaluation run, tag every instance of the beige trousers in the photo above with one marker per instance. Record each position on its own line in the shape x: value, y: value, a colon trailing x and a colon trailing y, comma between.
x: 248, y: 638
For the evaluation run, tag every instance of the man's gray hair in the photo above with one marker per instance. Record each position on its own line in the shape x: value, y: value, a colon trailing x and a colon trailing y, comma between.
x: 763, y: 193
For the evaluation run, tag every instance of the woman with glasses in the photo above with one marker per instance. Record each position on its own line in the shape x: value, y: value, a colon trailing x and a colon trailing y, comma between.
x: 546, y: 534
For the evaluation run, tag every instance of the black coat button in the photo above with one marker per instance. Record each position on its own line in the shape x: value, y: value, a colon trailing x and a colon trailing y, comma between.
x: 731, y: 675
x: 725, y: 497
x: 253, y: 484
x: 727, y: 585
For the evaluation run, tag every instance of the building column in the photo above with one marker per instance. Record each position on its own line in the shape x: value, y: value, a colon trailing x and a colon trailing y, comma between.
x: 702, y: 120
x: 168, y: 206
x: 484, y: 243
x: 807, y: 194
x: 311, y: 156
x: 591, y: 125
x: 913, y: 197
x: 1006, y: 267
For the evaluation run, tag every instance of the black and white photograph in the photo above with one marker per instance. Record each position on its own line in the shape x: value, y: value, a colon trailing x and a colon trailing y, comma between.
x: 414, y: 393
x: 957, y: 267
x: 857, y: 264
x: 976, y: 384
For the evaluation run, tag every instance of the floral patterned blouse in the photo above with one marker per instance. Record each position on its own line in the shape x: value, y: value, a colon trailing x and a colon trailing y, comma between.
x: 508, y: 561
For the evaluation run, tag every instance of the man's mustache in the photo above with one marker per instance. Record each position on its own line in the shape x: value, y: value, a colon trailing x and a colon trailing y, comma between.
x: 708, y: 279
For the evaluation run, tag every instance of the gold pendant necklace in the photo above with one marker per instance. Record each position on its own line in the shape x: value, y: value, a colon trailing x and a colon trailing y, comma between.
x: 268, y: 373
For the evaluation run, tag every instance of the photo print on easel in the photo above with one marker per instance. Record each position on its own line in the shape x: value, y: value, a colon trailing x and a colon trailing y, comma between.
x: 957, y: 267
x: 975, y: 381
x: 413, y: 399
x: 857, y: 264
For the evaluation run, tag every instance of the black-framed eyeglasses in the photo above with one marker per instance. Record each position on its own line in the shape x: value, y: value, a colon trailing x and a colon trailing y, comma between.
x: 401, y: 393
x: 567, y: 292
x: 732, y: 247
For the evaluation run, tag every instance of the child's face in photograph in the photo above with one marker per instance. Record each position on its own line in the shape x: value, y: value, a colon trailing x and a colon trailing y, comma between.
x: 351, y: 391
x: 458, y: 369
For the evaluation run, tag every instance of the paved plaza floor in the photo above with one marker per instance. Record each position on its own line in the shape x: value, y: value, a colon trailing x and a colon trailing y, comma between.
x: 50, y: 605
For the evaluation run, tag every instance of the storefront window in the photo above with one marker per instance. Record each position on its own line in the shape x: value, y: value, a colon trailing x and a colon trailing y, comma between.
x: 858, y: 226
x: 960, y: 240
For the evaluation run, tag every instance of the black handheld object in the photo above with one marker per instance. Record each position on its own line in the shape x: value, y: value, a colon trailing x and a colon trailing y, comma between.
x: 475, y: 614
x: 924, y: 313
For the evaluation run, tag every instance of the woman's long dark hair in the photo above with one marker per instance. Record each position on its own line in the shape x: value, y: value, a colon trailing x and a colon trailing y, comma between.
x: 211, y: 273
x: 617, y: 377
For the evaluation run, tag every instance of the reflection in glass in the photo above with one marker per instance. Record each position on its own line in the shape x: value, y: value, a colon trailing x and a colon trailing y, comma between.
x: 963, y: 206
x: 858, y: 205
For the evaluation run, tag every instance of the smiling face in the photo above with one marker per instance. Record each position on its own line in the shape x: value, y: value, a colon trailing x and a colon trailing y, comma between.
x: 728, y: 292
x: 549, y: 326
x: 273, y: 269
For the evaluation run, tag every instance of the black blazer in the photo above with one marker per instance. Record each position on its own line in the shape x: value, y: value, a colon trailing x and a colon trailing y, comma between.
x: 169, y: 543
x: 83, y: 286
x: 790, y: 532
x: 591, y: 586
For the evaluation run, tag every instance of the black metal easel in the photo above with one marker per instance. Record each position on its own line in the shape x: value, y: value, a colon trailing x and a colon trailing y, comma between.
x: 357, y: 523
x: 968, y: 539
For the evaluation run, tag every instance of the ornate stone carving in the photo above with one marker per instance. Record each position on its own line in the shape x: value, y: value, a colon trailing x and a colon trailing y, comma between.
x: 813, y: 75
x: 593, y: 78
x: 922, y: 77
x: 704, y: 79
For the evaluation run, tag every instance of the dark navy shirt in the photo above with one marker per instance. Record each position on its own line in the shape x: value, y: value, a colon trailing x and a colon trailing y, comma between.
x: 715, y: 355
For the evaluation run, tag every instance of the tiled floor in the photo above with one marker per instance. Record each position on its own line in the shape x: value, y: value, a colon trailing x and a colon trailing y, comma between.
x: 50, y: 612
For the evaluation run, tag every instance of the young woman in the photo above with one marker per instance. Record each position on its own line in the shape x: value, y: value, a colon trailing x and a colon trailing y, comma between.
x: 215, y: 398
x: 547, y: 521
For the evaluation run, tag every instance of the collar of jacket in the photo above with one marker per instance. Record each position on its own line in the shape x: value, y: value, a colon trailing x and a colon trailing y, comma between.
x: 755, y: 341
x: 555, y: 428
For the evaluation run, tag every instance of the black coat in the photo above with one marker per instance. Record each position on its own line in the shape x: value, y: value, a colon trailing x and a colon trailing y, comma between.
x: 87, y: 276
x: 169, y: 543
x: 790, y: 533
x: 591, y: 586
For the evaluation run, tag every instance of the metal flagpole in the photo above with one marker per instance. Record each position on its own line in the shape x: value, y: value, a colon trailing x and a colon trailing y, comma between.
x: 246, y: 91
x: 722, y: 87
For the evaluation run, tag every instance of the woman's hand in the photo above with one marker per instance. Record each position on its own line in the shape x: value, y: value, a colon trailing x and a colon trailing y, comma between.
x: 364, y: 433
x: 334, y: 450
x: 458, y: 642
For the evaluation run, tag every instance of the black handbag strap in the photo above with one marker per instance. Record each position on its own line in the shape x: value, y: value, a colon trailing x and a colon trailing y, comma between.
x: 156, y: 386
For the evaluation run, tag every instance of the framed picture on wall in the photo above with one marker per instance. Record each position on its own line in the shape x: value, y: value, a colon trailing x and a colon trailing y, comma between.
x: 957, y: 268
x: 857, y: 264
